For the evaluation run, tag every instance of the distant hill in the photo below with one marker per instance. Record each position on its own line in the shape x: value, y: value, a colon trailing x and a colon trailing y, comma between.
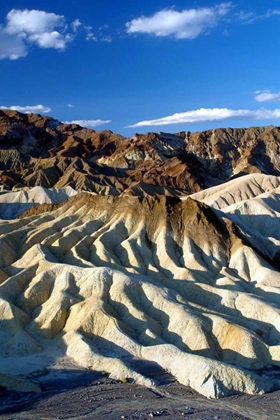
x: 37, y: 150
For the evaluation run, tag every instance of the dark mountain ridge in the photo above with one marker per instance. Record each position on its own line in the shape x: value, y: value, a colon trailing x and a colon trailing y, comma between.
x: 39, y: 150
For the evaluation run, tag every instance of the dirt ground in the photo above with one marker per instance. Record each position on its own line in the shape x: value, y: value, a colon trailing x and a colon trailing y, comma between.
x: 90, y: 396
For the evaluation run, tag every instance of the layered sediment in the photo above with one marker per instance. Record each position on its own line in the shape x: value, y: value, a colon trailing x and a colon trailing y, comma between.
x: 107, y: 281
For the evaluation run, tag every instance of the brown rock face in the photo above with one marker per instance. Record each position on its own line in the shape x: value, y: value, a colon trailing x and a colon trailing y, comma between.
x: 37, y: 150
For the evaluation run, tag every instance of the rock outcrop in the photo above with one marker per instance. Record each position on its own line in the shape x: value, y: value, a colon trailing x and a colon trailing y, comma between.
x: 109, y: 281
x: 41, y: 151
x: 114, y: 255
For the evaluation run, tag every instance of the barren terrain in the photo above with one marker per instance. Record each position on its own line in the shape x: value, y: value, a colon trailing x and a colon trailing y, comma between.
x: 84, y: 395
x: 127, y: 288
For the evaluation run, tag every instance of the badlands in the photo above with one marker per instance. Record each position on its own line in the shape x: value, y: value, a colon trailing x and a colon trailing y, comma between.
x: 138, y: 259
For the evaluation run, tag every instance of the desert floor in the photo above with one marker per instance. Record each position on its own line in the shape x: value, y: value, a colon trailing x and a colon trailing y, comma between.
x: 83, y: 394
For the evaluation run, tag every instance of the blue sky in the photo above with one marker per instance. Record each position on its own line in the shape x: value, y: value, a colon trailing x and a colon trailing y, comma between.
x: 144, y: 65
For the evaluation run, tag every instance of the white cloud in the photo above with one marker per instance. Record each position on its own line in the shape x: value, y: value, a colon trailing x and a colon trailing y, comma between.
x: 106, y: 39
x: 186, y: 24
x: 32, y: 21
x: 99, y: 37
x: 76, y: 24
x: 50, y: 40
x: 91, y: 37
x: 244, y: 16
x: 28, y: 109
x: 211, y: 114
x: 33, y: 27
x: 103, y: 27
x: 267, y: 96
x: 273, y: 13
x: 88, y: 123
x: 250, y: 17
x: 70, y: 105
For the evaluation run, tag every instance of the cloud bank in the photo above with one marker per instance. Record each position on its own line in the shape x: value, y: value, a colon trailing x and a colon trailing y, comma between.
x: 267, y: 96
x: 209, y: 115
x: 25, y: 28
x: 188, y: 24
x: 88, y: 123
x: 28, y: 109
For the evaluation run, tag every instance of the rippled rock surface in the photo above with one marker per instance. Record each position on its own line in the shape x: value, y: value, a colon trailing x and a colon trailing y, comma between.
x: 115, y: 283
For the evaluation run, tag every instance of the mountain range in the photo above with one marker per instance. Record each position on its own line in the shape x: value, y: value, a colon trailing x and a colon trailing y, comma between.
x: 41, y: 151
x: 117, y: 254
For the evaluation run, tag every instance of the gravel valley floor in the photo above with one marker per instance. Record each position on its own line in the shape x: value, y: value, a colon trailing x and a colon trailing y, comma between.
x: 89, y: 396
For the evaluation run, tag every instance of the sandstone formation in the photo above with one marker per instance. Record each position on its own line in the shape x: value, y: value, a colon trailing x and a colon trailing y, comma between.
x: 14, y: 204
x: 108, y: 281
x: 154, y: 269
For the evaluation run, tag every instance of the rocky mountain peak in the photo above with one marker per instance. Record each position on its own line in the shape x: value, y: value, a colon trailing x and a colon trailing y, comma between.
x: 151, y: 163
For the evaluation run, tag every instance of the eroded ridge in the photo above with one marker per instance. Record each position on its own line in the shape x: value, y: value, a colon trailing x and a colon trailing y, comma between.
x: 110, y: 281
x: 38, y: 150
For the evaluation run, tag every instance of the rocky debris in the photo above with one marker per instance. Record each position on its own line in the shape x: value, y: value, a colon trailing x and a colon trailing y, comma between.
x: 111, y: 401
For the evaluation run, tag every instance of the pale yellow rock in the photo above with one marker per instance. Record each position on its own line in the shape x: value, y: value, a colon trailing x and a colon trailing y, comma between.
x: 105, y: 281
x: 21, y: 344
x: 13, y: 204
x: 239, y: 189
x: 213, y: 379
x: 275, y: 355
x: 239, y: 346
x: 12, y: 319
x: 85, y: 354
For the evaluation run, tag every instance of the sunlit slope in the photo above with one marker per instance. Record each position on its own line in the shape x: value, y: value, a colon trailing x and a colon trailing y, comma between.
x: 15, y: 203
x: 111, y: 280
x: 238, y: 190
